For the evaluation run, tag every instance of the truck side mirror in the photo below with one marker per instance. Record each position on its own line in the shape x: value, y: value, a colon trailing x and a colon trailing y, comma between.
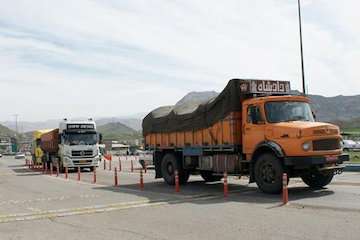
x: 100, y: 137
x: 314, y: 115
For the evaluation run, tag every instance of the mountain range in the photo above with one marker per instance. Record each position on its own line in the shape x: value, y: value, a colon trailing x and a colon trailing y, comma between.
x: 341, y: 110
x: 118, y: 131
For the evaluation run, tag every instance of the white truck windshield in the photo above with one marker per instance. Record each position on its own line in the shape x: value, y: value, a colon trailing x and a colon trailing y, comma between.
x: 80, y: 139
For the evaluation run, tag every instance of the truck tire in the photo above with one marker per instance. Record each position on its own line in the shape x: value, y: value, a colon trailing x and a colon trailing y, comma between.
x: 268, y: 173
x: 209, y: 176
x: 316, y: 179
x: 168, y: 165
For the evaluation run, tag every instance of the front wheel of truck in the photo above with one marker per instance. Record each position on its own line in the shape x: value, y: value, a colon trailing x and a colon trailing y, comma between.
x: 268, y: 172
x: 316, y: 179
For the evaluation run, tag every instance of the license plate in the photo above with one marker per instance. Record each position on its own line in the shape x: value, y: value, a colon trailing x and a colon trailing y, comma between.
x: 331, y: 158
x: 83, y: 161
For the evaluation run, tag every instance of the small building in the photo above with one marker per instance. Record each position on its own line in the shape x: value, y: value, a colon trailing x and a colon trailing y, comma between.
x: 7, y: 145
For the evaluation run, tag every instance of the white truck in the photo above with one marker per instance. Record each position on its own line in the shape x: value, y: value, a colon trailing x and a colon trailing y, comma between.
x: 74, y: 144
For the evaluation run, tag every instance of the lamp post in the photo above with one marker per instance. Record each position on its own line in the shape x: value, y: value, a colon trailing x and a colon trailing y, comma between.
x: 301, y: 50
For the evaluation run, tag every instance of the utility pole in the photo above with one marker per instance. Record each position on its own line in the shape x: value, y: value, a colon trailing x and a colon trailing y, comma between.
x: 301, y: 50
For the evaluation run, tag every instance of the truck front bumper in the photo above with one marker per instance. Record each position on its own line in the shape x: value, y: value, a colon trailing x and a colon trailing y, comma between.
x: 304, y: 162
x: 86, y: 162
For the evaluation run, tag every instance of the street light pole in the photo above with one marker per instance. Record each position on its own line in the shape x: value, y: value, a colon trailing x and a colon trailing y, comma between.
x: 301, y: 50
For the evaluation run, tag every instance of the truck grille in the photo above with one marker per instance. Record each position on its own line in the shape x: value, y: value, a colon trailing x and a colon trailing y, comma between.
x: 84, y: 153
x: 82, y: 162
x: 326, y: 144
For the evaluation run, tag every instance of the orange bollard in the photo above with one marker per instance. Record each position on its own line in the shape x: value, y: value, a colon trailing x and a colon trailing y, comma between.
x: 285, y: 194
x: 119, y: 164
x: 225, y: 185
x: 94, y: 176
x: 78, y: 175
x: 141, y: 180
x: 66, y: 172
x: 51, y: 169
x: 132, y: 166
x: 115, y: 177
x: 177, y: 183
x: 104, y: 164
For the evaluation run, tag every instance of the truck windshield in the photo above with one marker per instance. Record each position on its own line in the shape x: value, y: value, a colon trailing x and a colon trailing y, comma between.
x: 80, y: 139
x: 288, y: 111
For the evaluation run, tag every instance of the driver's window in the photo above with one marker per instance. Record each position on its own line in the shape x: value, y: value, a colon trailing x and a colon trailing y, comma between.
x: 254, y: 115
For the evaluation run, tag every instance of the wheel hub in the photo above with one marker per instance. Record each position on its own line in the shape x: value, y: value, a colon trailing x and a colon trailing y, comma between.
x: 170, y: 169
x: 268, y: 173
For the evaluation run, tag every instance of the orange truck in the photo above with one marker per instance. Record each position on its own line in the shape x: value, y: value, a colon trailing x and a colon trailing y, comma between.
x: 254, y: 128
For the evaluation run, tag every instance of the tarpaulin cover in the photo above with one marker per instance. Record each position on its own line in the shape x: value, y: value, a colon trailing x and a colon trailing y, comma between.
x: 190, y: 117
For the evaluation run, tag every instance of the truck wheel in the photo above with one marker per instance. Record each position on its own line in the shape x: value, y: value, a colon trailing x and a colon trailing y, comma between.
x: 268, y: 173
x: 316, y: 179
x: 168, y: 166
x: 209, y: 176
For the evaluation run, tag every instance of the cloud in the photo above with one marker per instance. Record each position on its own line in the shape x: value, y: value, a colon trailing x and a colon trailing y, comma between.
x: 105, y: 58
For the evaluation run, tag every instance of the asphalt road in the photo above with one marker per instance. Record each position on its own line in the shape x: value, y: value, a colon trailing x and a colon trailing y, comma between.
x: 38, y: 206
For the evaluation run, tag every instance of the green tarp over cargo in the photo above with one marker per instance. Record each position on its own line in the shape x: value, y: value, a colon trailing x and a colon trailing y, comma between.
x: 188, y: 117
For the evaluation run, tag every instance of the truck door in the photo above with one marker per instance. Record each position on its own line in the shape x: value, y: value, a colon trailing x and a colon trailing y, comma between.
x: 253, y: 128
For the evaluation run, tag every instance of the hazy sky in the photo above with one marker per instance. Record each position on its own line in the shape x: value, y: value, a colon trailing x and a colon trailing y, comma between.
x: 109, y: 58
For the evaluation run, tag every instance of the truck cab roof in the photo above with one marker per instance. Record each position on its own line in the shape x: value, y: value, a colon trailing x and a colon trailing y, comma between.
x: 270, y: 98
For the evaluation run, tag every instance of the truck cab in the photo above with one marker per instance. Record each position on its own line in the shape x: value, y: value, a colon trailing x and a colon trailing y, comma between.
x: 78, y: 144
x: 284, y: 127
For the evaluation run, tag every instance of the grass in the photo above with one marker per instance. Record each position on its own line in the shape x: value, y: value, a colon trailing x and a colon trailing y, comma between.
x: 354, y: 157
x: 355, y: 131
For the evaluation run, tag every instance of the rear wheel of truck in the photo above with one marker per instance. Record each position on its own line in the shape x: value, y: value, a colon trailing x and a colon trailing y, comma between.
x: 209, y: 176
x: 316, y: 179
x: 168, y: 166
x: 268, y: 173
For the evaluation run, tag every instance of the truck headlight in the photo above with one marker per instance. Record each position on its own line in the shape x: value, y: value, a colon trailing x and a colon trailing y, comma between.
x: 306, y: 146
